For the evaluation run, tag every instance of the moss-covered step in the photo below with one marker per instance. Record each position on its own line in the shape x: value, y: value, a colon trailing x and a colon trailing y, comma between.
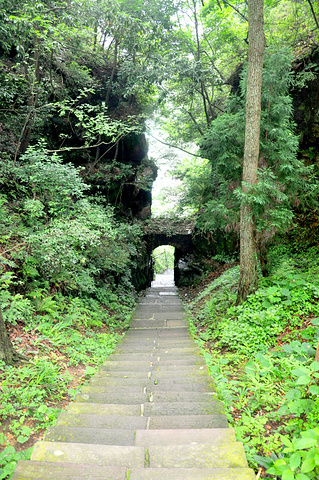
x: 192, y: 474
x: 188, y: 421
x: 109, y: 455
x: 184, y: 436
x: 66, y: 471
x: 110, y: 409
x: 101, y: 421
x: 210, y: 455
x: 184, y: 408
x: 91, y: 435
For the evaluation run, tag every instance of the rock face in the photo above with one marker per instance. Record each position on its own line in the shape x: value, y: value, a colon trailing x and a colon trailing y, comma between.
x: 306, y: 104
x: 124, y: 176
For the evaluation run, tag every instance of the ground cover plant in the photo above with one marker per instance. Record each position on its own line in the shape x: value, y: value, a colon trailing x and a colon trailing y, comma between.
x: 63, y: 342
x: 262, y: 355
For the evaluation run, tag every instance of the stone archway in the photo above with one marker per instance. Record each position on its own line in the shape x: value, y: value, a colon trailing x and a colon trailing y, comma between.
x: 179, y: 234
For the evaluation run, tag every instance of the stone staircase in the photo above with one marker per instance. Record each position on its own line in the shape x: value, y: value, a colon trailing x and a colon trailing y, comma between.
x: 150, y: 413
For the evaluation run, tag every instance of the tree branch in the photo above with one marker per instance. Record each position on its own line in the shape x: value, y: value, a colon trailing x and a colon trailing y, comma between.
x: 175, y: 146
x: 313, y: 13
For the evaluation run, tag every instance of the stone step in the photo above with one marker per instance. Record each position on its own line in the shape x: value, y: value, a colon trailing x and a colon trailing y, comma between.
x: 160, y: 333
x: 192, y: 474
x: 158, y: 323
x: 157, y: 343
x: 98, y: 421
x: 154, y: 385
x: 183, y: 408
x: 135, y: 349
x: 188, y: 421
x: 156, y: 360
x: 152, y: 314
x: 92, y: 408
x: 81, y: 414
x: 184, y: 436
x: 190, y: 370
x: 159, y: 308
x: 91, y: 435
x: 128, y: 399
x: 111, y: 455
x: 27, y: 470
x: 224, y: 455
x: 123, y: 393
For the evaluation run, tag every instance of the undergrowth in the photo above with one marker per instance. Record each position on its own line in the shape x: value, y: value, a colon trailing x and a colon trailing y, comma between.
x: 64, y: 340
x: 262, y: 357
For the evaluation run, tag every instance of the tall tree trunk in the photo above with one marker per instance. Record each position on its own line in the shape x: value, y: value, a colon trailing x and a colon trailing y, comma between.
x: 6, y: 348
x: 248, y: 281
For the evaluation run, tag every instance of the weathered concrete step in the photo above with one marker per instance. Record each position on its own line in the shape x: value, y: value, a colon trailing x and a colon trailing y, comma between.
x: 160, y: 333
x: 184, y: 436
x: 225, y: 455
x: 150, y: 378
x: 184, y: 408
x: 158, y: 350
x: 158, y: 308
x: 123, y: 394
x: 155, y: 385
x: 92, y: 408
x: 101, y: 421
x: 156, y: 359
x: 188, y: 421
x: 157, y: 343
x: 86, y: 412
x: 192, y: 474
x: 128, y: 399
x: 152, y: 314
x: 91, y: 435
x: 161, y: 369
x: 144, y: 374
x: 27, y: 470
x: 115, y: 455
x: 164, y: 322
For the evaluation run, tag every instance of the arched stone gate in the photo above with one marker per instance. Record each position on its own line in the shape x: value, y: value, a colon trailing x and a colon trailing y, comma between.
x: 178, y: 233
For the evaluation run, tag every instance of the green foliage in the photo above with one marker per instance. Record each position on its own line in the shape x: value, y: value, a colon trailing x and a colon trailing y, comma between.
x: 164, y: 258
x: 261, y: 356
x: 9, y: 459
x: 282, y: 178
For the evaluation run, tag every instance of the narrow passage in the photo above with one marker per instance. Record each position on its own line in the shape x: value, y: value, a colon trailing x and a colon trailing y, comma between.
x: 150, y: 413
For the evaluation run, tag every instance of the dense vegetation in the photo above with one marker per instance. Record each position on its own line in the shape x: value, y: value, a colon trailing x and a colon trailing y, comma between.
x: 262, y: 357
x: 78, y: 82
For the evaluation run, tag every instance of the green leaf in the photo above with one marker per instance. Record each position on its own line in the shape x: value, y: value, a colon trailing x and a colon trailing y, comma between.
x: 286, y: 441
x: 314, y: 389
x: 295, y: 461
x: 314, y: 366
x: 308, y: 465
x: 305, y: 442
x: 288, y: 475
x: 303, y: 380
x: 302, y: 476
x: 22, y: 439
x: 298, y: 372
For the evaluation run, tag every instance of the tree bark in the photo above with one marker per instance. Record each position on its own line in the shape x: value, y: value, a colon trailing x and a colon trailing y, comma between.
x: 248, y: 281
x: 6, y: 348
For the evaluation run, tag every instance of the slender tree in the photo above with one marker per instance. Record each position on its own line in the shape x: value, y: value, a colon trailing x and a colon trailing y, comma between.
x: 248, y: 280
x: 6, y: 348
